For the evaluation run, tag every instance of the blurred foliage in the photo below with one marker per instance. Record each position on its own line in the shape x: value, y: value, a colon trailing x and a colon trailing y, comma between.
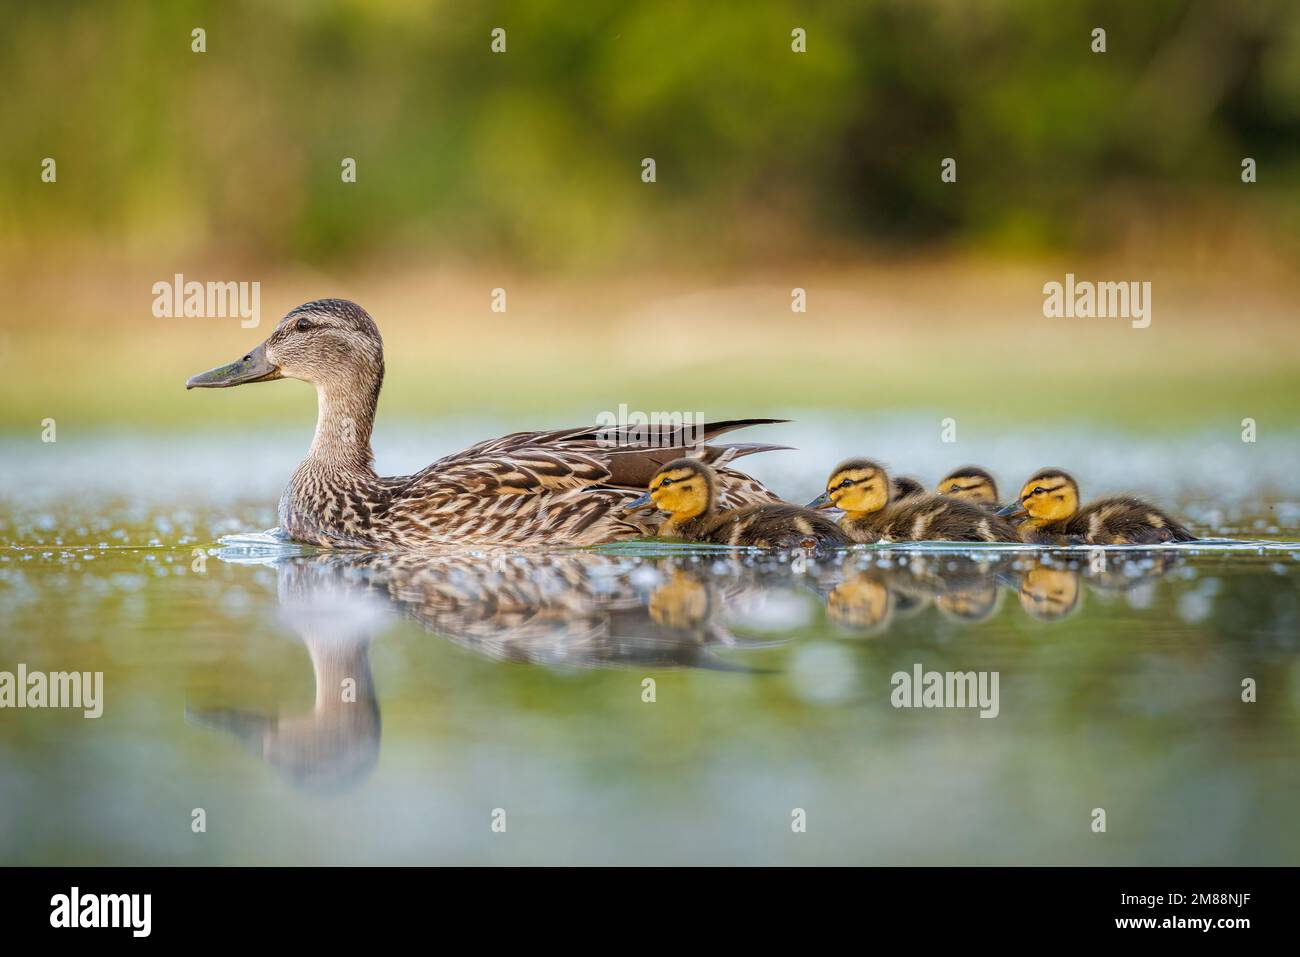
x: 534, y: 156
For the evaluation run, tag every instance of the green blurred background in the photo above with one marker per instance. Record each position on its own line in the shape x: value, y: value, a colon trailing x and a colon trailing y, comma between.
x: 775, y: 170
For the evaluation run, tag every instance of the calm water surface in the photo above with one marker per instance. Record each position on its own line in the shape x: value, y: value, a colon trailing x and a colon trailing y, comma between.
x: 481, y: 681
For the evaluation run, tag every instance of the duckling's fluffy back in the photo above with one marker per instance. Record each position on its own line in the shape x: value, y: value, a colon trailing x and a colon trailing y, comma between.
x: 775, y: 525
x: 934, y: 518
x: 1124, y: 520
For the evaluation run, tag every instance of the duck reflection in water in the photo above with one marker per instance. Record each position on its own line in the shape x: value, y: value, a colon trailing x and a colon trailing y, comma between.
x: 336, y: 743
x: 566, y: 611
x: 576, y: 610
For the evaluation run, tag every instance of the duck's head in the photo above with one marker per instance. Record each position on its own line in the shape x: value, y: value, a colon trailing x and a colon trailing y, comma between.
x: 1050, y: 495
x: 972, y: 483
x: 684, y: 489
x: 856, y: 486
x: 328, y: 342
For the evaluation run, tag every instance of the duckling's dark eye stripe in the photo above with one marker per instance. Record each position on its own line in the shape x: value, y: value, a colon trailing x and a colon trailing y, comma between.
x: 1044, y: 489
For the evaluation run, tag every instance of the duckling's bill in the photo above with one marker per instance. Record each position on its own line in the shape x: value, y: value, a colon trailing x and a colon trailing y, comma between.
x: 254, y: 367
x: 1013, y: 510
x: 639, y: 503
x: 821, y: 501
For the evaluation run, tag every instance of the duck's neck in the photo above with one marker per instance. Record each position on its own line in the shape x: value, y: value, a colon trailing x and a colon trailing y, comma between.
x: 344, y: 420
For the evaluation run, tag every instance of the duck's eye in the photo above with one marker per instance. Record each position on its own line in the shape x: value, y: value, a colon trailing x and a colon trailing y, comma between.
x: 303, y: 325
x: 665, y: 483
x: 845, y: 484
x: 1037, y: 491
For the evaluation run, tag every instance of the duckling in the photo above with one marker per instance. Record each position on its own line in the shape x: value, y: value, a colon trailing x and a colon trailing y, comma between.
x: 973, y: 484
x: 1048, y: 508
x: 905, y: 486
x: 862, y: 489
x: 687, y: 490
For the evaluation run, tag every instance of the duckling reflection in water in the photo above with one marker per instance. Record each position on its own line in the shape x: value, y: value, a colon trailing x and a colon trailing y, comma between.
x: 862, y: 602
x: 1048, y: 513
x: 861, y: 488
x: 962, y: 590
x: 1050, y: 594
x: 687, y: 490
x: 681, y: 602
x: 970, y: 483
x: 1113, y: 577
x: 971, y: 603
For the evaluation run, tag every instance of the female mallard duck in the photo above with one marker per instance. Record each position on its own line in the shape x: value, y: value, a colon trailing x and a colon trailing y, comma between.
x: 972, y: 484
x: 1050, y: 513
x: 687, y: 490
x: 862, y: 489
x: 567, y: 487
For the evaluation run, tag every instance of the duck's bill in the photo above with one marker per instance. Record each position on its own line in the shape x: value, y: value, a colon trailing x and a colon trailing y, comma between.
x: 638, y: 503
x: 1012, y: 510
x: 254, y: 367
x: 821, y: 501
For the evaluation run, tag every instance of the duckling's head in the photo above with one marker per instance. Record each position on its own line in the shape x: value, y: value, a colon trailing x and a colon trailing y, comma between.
x: 972, y: 483
x: 328, y: 342
x: 905, y: 486
x: 856, y: 486
x: 684, y: 489
x: 1050, y: 495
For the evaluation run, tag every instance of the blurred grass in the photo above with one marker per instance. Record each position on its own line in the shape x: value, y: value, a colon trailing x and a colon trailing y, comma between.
x: 966, y: 340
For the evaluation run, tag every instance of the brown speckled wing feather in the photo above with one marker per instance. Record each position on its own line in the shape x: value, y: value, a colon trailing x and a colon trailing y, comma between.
x: 568, y: 486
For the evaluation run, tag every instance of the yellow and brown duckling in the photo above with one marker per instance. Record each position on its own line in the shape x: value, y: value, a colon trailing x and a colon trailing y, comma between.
x: 905, y: 486
x: 971, y: 484
x: 861, y: 488
x: 687, y: 490
x: 1048, y: 513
